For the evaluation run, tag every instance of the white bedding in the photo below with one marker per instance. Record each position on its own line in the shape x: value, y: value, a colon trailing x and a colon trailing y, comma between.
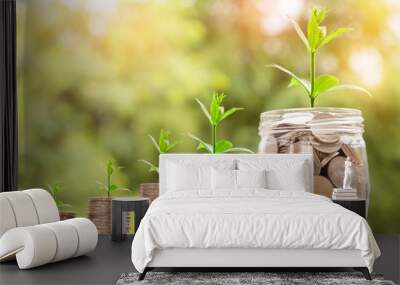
x: 250, y: 219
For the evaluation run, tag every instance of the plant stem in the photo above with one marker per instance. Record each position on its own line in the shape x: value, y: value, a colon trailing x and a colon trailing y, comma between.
x: 213, y: 137
x: 312, y: 77
x: 108, y: 185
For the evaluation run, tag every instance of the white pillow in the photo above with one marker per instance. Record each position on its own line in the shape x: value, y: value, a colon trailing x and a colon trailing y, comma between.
x: 281, y: 174
x: 183, y: 177
x: 223, y: 179
x: 295, y: 180
x: 251, y: 178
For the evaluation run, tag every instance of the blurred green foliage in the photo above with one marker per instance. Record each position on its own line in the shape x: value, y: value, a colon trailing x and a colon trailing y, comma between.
x: 54, y: 191
x: 96, y: 76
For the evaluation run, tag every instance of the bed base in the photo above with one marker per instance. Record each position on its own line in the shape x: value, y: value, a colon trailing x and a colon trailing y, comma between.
x: 242, y: 259
x: 363, y: 270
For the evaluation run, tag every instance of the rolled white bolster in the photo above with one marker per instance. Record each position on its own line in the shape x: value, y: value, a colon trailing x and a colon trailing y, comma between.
x: 37, y: 245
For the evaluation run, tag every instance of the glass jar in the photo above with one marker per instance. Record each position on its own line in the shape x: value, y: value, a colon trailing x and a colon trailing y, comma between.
x: 331, y: 134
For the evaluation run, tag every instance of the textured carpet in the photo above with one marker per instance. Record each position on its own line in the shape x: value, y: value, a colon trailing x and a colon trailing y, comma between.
x: 233, y: 278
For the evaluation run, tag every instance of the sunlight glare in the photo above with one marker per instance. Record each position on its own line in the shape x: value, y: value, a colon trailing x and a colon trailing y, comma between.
x: 367, y: 64
x: 394, y: 25
x: 393, y: 2
x: 101, y: 6
x: 275, y: 13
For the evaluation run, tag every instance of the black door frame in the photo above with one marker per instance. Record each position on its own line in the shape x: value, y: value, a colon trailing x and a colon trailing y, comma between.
x: 8, y: 98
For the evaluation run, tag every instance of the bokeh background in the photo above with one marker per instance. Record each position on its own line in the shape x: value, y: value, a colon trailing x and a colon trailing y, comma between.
x: 96, y: 76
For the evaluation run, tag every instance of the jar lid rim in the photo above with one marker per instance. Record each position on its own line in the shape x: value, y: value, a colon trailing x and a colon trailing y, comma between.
x: 318, y: 109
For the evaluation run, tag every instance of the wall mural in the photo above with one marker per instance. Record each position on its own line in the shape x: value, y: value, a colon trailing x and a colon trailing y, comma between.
x: 95, y: 77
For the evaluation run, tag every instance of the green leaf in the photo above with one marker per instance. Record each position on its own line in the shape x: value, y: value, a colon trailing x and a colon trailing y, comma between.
x: 204, y: 109
x: 222, y: 146
x: 123, y: 189
x: 110, y: 167
x: 239, y: 149
x: 294, y: 82
x: 172, y: 145
x: 334, y: 35
x: 341, y: 87
x: 202, y: 144
x: 54, y: 189
x: 164, y: 144
x: 102, y: 185
x: 322, y: 34
x: 319, y: 15
x: 230, y: 112
x: 154, y: 143
x: 205, y: 146
x: 306, y: 84
x: 323, y: 83
x: 152, y: 167
x: 113, y: 188
x: 216, y: 109
x: 315, y: 33
x: 163, y: 140
x: 219, y: 97
x: 300, y: 32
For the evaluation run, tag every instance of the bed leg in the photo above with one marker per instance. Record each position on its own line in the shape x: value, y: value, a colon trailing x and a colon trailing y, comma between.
x: 143, y: 274
x: 364, y: 271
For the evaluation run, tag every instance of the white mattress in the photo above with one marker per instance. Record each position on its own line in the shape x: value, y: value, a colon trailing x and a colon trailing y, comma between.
x: 253, y: 219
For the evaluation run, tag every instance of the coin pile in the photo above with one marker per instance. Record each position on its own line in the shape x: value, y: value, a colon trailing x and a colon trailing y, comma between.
x: 329, y: 138
x: 67, y: 215
x: 149, y: 190
x: 100, y: 214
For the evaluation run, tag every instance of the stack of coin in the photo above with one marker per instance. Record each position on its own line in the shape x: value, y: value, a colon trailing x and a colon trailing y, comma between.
x: 100, y: 214
x: 67, y: 215
x: 149, y: 190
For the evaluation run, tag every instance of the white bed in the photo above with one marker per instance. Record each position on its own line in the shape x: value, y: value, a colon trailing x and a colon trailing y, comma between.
x: 248, y: 227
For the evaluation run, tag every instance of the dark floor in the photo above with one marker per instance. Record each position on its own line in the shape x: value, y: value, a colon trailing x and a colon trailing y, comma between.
x: 389, y: 262
x: 110, y: 260
x: 103, y: 266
